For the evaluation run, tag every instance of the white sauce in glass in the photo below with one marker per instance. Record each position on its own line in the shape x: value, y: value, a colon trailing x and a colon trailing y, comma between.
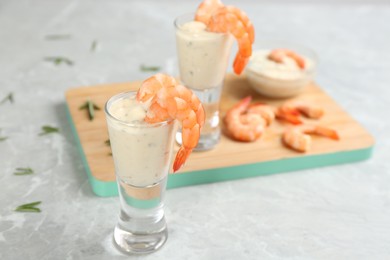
x: 203, y: 55
x: 129, y: 110
x: 141, y: 151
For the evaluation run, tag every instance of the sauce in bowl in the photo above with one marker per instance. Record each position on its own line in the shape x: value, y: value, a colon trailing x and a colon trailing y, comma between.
x: 279, y: 79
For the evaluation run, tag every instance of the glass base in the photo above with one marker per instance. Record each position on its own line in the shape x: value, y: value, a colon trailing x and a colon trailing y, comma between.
x: 137, y: 243
x: 141, y: 228
x: 206, y: 141
x: 211, y: 132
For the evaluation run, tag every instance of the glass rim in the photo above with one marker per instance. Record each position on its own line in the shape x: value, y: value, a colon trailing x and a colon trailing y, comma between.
x: 125, y: 94
x: 187, y: 15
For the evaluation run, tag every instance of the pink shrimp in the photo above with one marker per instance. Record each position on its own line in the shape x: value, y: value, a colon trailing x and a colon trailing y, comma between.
x: 310, y: 111
x: 243, y: 124
x: 290, y: 117
x: 169, y: 100
x: 250, y: 29
x: 264, y: 110
x: 224, y: 21
x: 206, y: 9
x: 291, y: 110
x: 297, y: 137
x: 229, y: 19
x: 278, y: 56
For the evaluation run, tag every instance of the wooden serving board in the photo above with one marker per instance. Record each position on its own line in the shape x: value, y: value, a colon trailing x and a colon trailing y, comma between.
x: 229, y: 159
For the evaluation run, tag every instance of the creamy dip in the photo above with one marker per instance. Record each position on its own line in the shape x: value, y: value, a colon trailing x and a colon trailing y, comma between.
x: 141, y: 151
x: 288, y: 70
x: 278, y: 80
x: 203, y: 55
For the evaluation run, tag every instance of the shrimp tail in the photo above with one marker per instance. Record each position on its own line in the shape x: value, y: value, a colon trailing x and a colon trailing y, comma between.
x: 181, y: 157
x: 244, y: 103
x: 239, y: 63
x: 240, y: 106
x: 327, y: 132
x: 289, y: 117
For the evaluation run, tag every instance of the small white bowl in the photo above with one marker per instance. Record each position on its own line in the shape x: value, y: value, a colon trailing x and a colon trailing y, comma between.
x: 276, y: 80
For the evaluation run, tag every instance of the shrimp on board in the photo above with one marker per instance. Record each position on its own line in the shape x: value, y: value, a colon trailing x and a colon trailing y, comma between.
x: 229, y: 19
x: 169, y: 100
x: 291, y: 110
x: 298, y: 138
x: 264, y: 110
x: 247, y: 123
x: 304, y: 108
x: 290, y: 117
x: 279, y: 55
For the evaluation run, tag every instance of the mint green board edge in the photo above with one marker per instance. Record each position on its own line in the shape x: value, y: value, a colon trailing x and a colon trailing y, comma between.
x: 106, y: 189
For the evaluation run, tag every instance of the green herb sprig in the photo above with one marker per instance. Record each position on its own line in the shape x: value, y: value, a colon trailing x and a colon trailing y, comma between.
x: 46, y: 129
x: 9, y: 97
x: 23, y: 171
x: 3, y: 138
x: 59, y: 60
x: 29, y: 207
x: 149, y: 68
x: 57, y: 37
x: 90, y: 107
x: 94, y: 44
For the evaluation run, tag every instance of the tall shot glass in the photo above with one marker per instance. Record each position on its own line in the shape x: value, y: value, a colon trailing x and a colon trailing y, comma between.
x: 203, y: 58
x: 142, y: 154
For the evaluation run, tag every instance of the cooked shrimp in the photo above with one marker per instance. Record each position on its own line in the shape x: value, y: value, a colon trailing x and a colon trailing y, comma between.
x: 290, y: 117
x: 291, y: 110
x: 225, y: 21
x: 298, y: 137
x: 250, y: 29
x: 300, y: 107
x: 229, y: 19
x: 243, y: 125
x: 169, y: 100
x: 208, y: 7
x: 206, y: 10
x: 313, y: 112
x: 278, y: 55
x: 264, y: 110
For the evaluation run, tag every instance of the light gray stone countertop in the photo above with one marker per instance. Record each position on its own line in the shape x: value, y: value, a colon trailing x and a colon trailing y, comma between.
x: 337, y: 212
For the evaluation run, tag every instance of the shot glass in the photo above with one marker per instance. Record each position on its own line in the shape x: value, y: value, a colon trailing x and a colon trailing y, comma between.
x: 142, y: 154
x: 203, y: 58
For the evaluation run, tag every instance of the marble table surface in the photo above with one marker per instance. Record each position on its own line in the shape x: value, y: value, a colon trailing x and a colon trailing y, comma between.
x: 337, y: 212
